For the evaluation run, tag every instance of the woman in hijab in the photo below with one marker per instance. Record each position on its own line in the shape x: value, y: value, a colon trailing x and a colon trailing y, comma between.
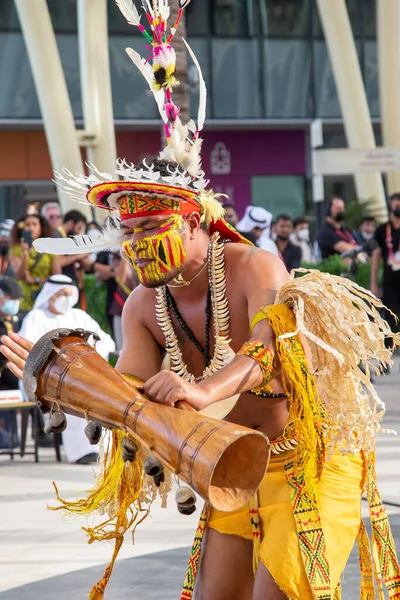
x: 53, y: 309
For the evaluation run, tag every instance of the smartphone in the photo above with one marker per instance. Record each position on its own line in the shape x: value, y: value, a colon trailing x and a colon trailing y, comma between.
x: 27, y: 237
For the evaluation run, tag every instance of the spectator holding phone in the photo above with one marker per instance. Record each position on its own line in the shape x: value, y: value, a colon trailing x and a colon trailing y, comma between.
x: 32, y: 269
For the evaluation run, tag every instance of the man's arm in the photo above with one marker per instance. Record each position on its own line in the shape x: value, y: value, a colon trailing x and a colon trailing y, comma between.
x: 261, y: 277
x: 140, y: 355
x: 342, y: 246
x: 376, y: 261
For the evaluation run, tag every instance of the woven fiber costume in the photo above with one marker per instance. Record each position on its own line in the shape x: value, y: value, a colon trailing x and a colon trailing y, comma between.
x: 306, y: 514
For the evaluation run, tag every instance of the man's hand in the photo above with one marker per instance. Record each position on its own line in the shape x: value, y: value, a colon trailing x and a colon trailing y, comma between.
x: 168, y: 388
x: 16, y: 349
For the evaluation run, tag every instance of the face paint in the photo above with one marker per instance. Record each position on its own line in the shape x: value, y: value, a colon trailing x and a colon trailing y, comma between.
x: 164, y: 250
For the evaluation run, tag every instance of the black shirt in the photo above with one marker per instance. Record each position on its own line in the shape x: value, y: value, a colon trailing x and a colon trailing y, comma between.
x: 390, y: 277
x: 329, y: 236
x: 291, y: 256
x: 8, y: 381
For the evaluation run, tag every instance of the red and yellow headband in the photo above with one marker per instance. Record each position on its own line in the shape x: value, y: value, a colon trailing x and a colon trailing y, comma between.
x: 143, y: 199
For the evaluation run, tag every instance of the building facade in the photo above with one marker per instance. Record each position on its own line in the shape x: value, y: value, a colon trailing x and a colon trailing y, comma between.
x: 268, y: 76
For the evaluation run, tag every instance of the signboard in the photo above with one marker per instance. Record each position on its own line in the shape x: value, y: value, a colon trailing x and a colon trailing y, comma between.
x: 350, y: 162
x: 316, y: 134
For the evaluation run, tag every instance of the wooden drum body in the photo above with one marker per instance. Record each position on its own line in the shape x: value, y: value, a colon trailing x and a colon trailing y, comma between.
x: 225, y: 463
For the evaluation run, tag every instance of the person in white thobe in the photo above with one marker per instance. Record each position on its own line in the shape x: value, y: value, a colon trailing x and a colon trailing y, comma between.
x: 53, y: 309
x: 257, y: 221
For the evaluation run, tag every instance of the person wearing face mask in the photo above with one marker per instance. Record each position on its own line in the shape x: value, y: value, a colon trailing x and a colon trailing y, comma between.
x: 301, y: 238
x: 387, y: 236
x: 10, y: 296
x: 334, y: 237
x: 366, y: 231
x: 54, y: 309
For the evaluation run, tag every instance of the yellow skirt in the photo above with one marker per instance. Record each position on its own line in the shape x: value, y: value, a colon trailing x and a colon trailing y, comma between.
x: 282, y: 550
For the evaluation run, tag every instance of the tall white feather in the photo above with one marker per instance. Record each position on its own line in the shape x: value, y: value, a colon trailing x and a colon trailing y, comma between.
x: 202, y: 89
x: 129, y: 11
x: 164, y: 9
x: 82, y: 244
x: 147, y: 6
x: 147, y: 72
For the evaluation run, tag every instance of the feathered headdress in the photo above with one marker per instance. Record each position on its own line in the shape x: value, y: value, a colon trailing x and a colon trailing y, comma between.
x: 144, y: 189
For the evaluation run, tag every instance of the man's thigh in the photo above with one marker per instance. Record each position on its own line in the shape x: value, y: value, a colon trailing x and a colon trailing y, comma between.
x: 265, y: 587
x: 226, y: 569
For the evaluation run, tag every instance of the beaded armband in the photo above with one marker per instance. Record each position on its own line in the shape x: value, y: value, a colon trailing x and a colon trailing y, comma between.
x: 263, y: 357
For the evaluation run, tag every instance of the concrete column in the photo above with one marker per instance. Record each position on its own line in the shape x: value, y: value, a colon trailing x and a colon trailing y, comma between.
x: 353, y: 100
x: 388, y: 13
x: 96, y: 83
x: 52, y: 91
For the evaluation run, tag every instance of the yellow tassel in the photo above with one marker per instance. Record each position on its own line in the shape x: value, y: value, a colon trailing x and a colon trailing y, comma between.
x: 306, y: 409
x: 98, y: 590
x: 116, y: 494
x: 212, y: 210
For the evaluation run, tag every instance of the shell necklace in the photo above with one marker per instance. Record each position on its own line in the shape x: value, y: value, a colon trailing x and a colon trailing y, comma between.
x: 222, y: 353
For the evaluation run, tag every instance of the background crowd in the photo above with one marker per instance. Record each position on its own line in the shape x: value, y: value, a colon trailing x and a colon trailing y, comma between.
x: 41, y: 292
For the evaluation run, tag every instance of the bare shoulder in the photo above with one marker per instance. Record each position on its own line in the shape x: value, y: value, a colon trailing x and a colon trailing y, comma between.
x: 140, y: 305
x: 249, y: 263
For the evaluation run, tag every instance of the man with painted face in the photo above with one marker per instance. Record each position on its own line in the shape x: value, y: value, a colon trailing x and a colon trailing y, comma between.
x: 209, y: 306
x: 233, y: 328
x: 334, y: 237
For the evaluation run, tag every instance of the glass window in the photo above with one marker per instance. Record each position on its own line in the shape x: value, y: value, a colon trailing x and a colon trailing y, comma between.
x: 18, y: 97
x: 353, y: 7
x: 63, y: 15
x: 201, y: 49
x: 285, y: 18
x: 132, y: 98
x: 280, y: 194
x: 198, y: 18
x: 327, y: 103
x: 69, y: 54
x: 231, y: 17
x: 369, y: 17
x: 371, y: 76
x: 8, y: 16
x: 117, y: 22
x: 326, y: 98
x: 235, y: 79
x: 287, y: 79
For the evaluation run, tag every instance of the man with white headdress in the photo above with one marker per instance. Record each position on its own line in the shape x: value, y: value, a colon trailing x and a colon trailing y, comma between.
x: 257, y: 221
x: 54, y: 309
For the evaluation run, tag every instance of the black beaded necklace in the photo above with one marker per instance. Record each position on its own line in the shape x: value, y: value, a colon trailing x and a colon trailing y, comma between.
x: 175, y: 311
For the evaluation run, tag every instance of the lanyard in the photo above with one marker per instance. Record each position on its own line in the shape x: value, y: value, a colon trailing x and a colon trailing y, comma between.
x: 346, y: 236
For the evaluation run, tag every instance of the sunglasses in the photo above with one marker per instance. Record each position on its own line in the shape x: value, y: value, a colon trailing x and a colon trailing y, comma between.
x: 54, y: 217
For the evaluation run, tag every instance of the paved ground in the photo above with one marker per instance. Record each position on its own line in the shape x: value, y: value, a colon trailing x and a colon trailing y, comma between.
x: 44, y: 557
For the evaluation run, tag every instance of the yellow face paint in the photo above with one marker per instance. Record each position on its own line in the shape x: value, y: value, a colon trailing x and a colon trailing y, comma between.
x: 155, y: 258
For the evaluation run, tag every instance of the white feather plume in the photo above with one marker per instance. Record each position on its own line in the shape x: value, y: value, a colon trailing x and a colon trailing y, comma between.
x: 147, y: 6
x: 129, y: 11
x: 83, y: 244
x: 147, y: 72
x: 202, y: 89
x: 163, y: 9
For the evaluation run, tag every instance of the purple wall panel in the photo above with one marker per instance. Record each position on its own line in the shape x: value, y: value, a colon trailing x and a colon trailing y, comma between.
x: 246, y: 153
x: 251, y: 153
